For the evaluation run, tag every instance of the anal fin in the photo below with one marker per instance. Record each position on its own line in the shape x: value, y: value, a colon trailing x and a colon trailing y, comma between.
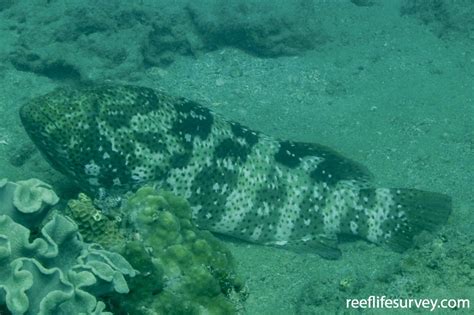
x: 324, y: 246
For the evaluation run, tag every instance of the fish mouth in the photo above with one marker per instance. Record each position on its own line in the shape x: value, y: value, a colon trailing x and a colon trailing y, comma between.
x: 25, y: 116
x: 36, y: 121
x: 30, y: 116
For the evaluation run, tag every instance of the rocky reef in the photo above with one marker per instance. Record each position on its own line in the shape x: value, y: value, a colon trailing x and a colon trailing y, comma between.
x: 70, y: 44
x: 445, y: 18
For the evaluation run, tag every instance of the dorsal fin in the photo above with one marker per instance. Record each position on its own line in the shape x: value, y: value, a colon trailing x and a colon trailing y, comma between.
x: 323, y: 163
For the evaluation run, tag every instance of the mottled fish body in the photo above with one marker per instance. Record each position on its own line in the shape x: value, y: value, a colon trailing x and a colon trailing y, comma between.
x: 238, y: 182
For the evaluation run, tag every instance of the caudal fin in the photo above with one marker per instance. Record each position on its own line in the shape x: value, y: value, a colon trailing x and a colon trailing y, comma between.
x: 394, y: 216
x: 418, y: 210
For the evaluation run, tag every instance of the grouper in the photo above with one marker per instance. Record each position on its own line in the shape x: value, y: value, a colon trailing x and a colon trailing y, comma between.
x: 238, y: 182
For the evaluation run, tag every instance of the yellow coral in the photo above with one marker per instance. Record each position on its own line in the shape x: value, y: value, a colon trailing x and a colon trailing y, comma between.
x: 94, y: 226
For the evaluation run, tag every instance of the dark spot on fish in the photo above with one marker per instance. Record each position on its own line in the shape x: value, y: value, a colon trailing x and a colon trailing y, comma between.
x: 233, y: 149
x: 152, y: 140
x: 159, y: 173
x: 192, y: 119
x: 334, y: 167
x: 146, y: 100
x: 214, y: 201
x: 111, y: 167
x: 367, y: 198
x: 117, y: 118
x: 116, y: 106
x: 330, y: 170
x: 273, y: 196
x: 250, y: 137
x: 180, y: 160
x: 290, y: 153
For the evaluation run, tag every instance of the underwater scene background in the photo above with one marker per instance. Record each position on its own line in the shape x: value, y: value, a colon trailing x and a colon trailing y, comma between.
x: 385, y: 83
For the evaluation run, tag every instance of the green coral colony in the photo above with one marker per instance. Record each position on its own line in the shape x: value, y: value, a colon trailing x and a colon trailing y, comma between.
x: 153, y: 253
x: 182, y: 270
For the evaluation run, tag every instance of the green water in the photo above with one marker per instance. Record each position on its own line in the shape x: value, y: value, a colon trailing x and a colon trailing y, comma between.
x: 387, y: 83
